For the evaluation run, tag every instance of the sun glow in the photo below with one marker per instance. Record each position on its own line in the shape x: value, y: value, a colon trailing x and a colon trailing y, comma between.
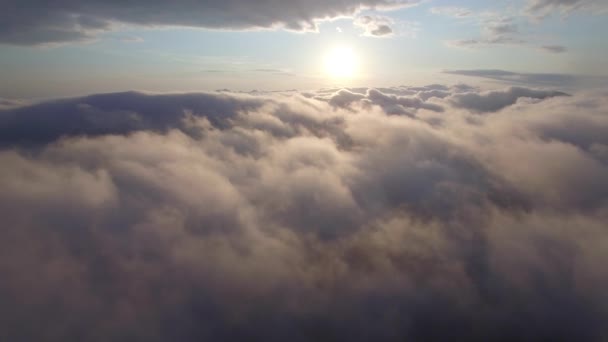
x: 341, y: 62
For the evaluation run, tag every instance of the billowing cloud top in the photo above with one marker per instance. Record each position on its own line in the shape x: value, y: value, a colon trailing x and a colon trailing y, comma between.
x: 40, y: 21
x: 410, y: 213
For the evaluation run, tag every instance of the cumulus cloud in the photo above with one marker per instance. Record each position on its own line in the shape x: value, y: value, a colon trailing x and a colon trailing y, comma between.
x: 233, y: 217
x: 65, y: 21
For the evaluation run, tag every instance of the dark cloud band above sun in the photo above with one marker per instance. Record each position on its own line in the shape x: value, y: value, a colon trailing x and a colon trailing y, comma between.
x: 37, y: 22
x: 392, y: 214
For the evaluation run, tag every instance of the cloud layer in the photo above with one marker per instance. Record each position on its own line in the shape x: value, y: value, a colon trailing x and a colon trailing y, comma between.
x: 406, y: 213
x: 38, y: 21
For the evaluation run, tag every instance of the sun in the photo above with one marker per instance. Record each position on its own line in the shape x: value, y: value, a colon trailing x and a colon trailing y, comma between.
x: 341, y: 62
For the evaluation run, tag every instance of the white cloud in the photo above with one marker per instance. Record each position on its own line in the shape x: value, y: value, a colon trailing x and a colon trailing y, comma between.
x: 274, y: 217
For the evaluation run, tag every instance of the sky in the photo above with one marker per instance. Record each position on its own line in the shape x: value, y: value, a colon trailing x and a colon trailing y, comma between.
x: 303, y: 170
x: 82, y: 48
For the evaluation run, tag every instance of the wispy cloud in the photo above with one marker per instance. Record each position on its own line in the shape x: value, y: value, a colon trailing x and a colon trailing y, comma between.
x: 495, y: 29
x: 543, y: 8
x: 547, y: 79
x: 456, y: 12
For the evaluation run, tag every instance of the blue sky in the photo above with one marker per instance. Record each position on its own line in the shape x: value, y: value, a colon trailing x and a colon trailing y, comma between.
x: 425, y: 39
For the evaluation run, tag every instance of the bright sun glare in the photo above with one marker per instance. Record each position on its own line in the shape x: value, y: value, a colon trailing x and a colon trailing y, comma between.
x: 341, y: 62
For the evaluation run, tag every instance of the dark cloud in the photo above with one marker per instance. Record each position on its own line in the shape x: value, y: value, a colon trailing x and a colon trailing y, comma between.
x: 375, y: 26
x: 381, y: 30
x: 554, y: 48
x: 38, y: 22
x: 189, y: 217
x: 118, y: 113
